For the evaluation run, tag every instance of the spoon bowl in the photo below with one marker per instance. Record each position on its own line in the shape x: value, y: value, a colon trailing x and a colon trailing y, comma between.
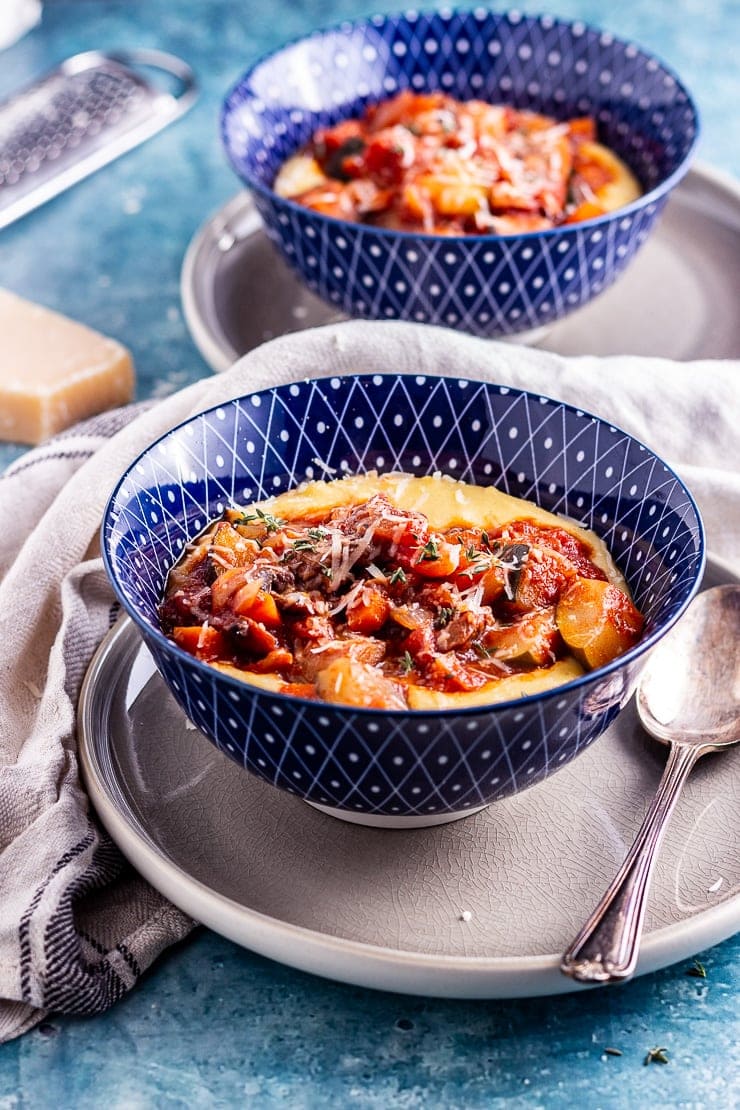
x: 689, y: 698
x: 689, y: 692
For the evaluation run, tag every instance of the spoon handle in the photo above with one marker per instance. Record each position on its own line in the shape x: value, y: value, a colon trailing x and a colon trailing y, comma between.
x: 606, y: 948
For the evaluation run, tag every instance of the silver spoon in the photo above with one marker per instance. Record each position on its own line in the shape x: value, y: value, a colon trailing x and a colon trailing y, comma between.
x: 689, y: 698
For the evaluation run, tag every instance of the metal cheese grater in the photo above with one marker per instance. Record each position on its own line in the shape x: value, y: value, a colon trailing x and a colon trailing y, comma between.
x: 82, y: 115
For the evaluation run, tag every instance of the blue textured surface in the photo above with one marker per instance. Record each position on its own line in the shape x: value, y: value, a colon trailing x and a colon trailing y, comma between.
x: 428, y: 763
x: 468, y: 282
x: 213, y: 1025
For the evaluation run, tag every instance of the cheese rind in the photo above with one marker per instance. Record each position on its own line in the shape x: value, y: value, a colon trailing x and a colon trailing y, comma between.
x: 54, y: 371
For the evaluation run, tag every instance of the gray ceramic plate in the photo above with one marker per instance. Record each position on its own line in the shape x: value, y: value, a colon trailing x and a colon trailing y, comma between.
x: 476, y: 909
x: 677, y: 300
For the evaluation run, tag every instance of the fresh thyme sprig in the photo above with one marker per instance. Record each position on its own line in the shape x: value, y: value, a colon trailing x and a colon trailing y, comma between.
x: 271, y: 523
x: 406, y: 663
x: 430, y: 550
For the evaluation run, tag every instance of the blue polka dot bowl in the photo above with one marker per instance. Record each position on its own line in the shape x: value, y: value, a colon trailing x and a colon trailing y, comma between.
x: 482, y: 284
x: 402, y: 767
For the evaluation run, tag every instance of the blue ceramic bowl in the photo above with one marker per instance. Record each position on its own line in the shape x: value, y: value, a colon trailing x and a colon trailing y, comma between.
x: 367, y: 764
x: 483, y: 284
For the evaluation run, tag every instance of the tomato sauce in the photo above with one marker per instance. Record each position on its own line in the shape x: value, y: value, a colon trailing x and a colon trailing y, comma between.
x: 366, y: 604
x: 427, y: 162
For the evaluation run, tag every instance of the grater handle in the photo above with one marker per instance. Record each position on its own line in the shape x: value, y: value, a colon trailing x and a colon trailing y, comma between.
x: 175, y: 67
x: 163, y: 107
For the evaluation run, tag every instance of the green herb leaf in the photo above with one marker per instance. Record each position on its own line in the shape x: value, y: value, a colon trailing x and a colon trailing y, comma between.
x: 444, y: 616
x: 430, y: 550
x: 271, y: 523
x: 304, y: 545
x: 697, y: 970
x: 316, y: 534
x: 481, y: 650
x: 656, y: 1056
x: 399, y: 576
x: 406, y: 663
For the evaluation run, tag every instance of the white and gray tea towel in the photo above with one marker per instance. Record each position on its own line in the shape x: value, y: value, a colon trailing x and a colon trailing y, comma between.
x: 77, y: 925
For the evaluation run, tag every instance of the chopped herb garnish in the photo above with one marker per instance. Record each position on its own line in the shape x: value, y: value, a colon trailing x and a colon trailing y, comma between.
x: 482, y: 650
x: 485, y: 539
x: 697, y: 970
x: 316, y: 534
x: 406, y: 663
x: 399, y: 575
x: 304, y: 545
x: 444, y: 616
x: 271, y: 523
x: 613, y: 1051
x: 656, y: 1056
x: 430, y: 550
x: 472, y: 552
x: 478, y: 564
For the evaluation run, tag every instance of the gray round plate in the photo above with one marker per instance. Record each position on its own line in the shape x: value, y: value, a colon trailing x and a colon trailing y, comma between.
x: 677, y: 300
x: 481, y: 908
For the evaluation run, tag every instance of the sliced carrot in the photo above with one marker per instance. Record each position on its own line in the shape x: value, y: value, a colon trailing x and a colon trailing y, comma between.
x: 299, y: 689
x: 437, y: 559
x: 583, y: 127
x: 200, y: 640
x: 586, y: 211
x: 369, y: 612
x: 264, y: 610
x: 256, y: 638
x: 279, y: 659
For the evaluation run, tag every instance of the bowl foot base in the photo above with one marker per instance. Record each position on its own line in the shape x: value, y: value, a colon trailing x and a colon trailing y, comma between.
x: 383, y: 821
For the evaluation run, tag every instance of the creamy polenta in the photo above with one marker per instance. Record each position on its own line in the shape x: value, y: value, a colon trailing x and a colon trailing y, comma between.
x: 392, y: 591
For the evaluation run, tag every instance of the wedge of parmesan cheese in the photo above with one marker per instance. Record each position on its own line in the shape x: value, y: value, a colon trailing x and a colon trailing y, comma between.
x: 54, y: 371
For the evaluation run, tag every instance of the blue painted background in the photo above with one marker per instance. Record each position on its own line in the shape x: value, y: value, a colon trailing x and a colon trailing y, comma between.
x: 213, y: 1025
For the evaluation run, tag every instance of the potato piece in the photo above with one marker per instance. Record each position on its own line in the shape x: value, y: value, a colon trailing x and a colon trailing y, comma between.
x: 228, y: 548
x: 597, y: 621
x: 299, y: 174
x: 347, y: 682
x: 532, y: 639
x: 454, y: 194
x: 359, y: 649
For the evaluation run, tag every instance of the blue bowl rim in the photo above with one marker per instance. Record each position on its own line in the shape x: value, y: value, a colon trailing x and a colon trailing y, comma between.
x: 656, y: 194
x: 468, y: 711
